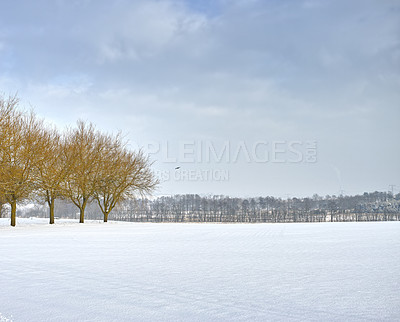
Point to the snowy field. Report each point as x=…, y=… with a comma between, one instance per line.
x=199, y=272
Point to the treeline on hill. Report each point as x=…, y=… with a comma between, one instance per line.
x=81, y=165
x=194, y=208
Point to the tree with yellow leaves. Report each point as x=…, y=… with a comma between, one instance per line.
x=82, y=150
x=124, y=174
x=52, y=171
x=21, y=137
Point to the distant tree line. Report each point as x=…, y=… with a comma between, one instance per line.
x=375, y=206
x=82, y=164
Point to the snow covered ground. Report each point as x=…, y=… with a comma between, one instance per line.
x=199, y=272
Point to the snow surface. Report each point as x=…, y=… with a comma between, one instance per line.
x=199, y=272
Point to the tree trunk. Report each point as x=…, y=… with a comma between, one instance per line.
x=1, y=210
x=13, y=212
x=82, y=215
x=106, y=216
x=51, y=205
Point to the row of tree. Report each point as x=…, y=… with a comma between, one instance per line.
x=194, y=208
x=82, y=164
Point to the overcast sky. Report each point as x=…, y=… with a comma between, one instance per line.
x=256, y=82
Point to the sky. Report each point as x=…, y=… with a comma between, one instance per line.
x=246, y=97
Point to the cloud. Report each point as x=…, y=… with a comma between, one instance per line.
x=325, y=70
x=63, y=86
x=138, y=30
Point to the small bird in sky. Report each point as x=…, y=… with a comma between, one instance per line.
x=177, y=168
